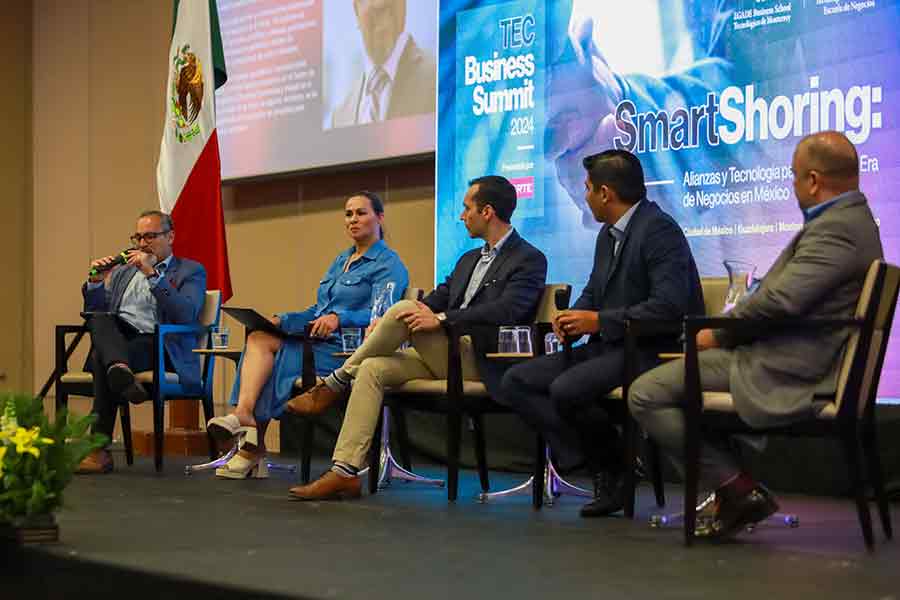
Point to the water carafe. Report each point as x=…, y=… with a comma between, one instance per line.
x=740, y=282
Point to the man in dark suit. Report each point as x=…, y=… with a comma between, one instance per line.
x=643, y=268
x=153, y=286
x=499, y=283
x=773, y=379
x=399, y=77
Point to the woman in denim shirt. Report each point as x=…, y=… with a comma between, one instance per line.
x=270, y=364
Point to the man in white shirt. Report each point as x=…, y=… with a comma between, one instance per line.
x=127, y=301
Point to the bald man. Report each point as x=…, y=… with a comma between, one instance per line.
x=774, y=378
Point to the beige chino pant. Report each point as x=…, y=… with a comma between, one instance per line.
x=377, y=365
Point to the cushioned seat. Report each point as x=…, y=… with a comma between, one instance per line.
x=85, y=377
x=439, y=386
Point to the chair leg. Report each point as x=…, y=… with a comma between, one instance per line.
x=481, y=452
x=158, y=433
x=375, y=456
x=876, y=476
x=540, y=467
x=630, y=434
x=306, y=446
x=209, y=413
x=654, y=465
x=691, y=484
x=399, y=416
x=125, y=417
x=454, y=427
x=851, y=451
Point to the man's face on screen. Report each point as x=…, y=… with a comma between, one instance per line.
x=381, y=22
x=473, y=217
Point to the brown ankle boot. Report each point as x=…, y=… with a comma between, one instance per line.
x=314, y=401
x=329, y=486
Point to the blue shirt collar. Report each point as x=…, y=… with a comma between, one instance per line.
x=618, y=229
x=372, y=253
x=167, y=262
x=486, y=250
x=814, y=211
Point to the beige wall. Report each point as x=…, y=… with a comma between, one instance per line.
x=99, y=74
x=15, y=209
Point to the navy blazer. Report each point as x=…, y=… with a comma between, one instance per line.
x=653, y=276
x=508, y=295
x=179, y=294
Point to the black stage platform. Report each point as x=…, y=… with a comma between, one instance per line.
x=136, y=534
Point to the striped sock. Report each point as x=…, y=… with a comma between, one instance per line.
x=337, y=382
x=344, y=470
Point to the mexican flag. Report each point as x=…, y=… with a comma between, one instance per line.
x=188, y=175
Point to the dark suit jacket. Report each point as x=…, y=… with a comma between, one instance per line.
x=508, y=295
x=653, y=276
x=413, y=92
x=179, y=295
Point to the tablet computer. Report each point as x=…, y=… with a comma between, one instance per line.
x=253, y=321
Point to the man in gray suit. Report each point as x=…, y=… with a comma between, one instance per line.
x=399, y=77
x=127, y=301
x=773, y=378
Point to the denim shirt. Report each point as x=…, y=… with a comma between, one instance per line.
x=349, y=295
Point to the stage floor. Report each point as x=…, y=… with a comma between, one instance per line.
x=408, y=542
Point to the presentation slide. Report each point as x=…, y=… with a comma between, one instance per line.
x=318, y=83
x=712, y=96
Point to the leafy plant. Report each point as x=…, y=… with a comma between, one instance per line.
x=37, y=457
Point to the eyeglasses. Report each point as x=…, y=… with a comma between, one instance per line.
x=148, y=237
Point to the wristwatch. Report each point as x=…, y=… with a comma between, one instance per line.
x=441, y=317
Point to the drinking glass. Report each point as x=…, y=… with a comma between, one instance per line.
x=506, y=340
x=552, y=343
x=351, y=337
x=523, y=340
x=220, y=336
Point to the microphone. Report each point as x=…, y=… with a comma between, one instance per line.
x=561, y=300
x=120, y=259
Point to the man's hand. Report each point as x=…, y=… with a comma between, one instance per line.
x=99, y=264
x=706, y=340
x=144, y=261
x=575, y=323
x=324, y=326
x=420, y=319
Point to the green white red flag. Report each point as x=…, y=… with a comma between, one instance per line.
x=189, y=174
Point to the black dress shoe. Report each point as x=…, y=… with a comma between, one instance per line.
x=734, y=512
x=122, y=382
x=609, y=495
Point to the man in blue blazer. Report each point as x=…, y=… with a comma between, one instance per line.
x=153, y=286
x=643, y=268
x=499, y=283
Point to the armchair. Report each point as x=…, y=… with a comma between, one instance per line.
x=848, y=414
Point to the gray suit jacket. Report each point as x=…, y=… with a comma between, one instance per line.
x=820, y=274
x=413, y=92
x=179, y=295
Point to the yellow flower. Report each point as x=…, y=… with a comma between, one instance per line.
x=26, y=440
x=2, y=454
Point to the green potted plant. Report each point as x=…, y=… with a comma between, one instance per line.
x=37, y=460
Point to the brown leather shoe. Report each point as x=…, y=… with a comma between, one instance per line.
x=313, y=402
x=96, y=463
x=329, y=486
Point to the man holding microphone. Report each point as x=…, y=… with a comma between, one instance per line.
x=127, y=295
